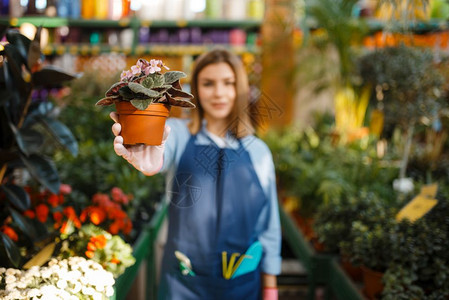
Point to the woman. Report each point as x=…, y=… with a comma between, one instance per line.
x=224, y=234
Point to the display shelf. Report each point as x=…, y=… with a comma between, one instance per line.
x=322, y=269
x=157, y=50
x=417, y=27
x=128, y=22
x=37, y=21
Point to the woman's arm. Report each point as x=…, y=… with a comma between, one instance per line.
x=269, y=281
x=269, y=287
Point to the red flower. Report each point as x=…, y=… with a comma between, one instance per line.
x=53, y=200
x=42, y=212
x=10, y=232
x=30, y=214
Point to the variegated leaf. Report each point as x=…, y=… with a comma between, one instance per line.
x=138, y=88
x=114, y=89
x=173, y=76
x=107, y=101
x=141, y=104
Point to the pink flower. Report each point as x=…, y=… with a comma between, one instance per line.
x=136, y=70
x=126, y=75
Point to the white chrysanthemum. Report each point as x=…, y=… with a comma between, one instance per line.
x=33, y=293
x=2, y=270
x=10, y=279
x=97, y=296
x=77, y=288
x=109, y=291
x=87, y=290
x=46, y=273
x=11, y=271
x=62, y=284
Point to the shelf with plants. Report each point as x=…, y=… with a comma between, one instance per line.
x=166, y=37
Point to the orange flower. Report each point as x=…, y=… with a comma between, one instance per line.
x=114, y=228
x=99, y=241
x=97, y=215
x=91, y=246
x=115, y=260
x=69, y=212
x=10, y=233
x=30, y=214
x=53, y=200
x=42, y=212
x=89, y=254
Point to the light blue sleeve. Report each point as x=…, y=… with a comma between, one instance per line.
x=175, y=143
x=268, y=224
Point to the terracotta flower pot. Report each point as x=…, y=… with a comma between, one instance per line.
x=372, y=281
x=142, y=126
x=355, y=272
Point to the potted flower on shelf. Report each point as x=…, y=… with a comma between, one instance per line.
x=145, y=91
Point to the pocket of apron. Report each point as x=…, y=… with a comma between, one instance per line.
x=246, y=286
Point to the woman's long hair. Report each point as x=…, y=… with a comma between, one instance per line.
x=239, y=122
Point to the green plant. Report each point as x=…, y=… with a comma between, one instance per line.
x=407, y=86
x=29, y=132
x=144, y=84
x=315, y=170
x=372, y=245
x=334, y=219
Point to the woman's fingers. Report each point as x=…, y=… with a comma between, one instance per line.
x=167, y=130
x=116, y=129
x=114, y=116
x=119, y=148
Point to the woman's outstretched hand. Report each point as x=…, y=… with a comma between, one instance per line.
x=146, y=159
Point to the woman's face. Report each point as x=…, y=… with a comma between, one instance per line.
x=216, y=91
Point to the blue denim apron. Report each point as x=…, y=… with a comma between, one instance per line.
x=215, y=201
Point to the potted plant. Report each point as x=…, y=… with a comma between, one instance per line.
x=29, y=132
x=145, y=91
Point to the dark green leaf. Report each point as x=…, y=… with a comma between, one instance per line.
x=32, y=139
x=140, y=89
x=173, y=76
x=17, y=196
x=141, y=104
x=21, y=42
x=61, y=134
x=6, y=80
x=51, y=76
x=126, y=92
x=11, y=250
x=19, y=140
x=34, y=51
x=23, y=224
x=43, y=171
x=15, y=64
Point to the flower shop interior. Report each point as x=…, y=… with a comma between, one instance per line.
x=360, y=156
